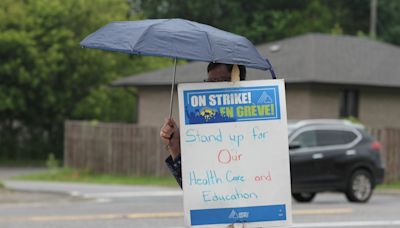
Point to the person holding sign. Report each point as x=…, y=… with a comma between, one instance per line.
x=233, y=140
x=169, y=133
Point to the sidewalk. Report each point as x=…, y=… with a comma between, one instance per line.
x=91, y=191
x=387, y=191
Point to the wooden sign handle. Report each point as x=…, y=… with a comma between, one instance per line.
x=235, y=74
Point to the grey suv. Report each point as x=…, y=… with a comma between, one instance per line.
x=333, y=155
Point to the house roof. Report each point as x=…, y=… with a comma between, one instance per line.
x=310, y=58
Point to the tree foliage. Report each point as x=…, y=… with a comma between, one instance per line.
x=260, y=21
x=46, y=77
x=388, y=28
x=268, y=20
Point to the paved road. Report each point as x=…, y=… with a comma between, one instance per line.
x=121, y=206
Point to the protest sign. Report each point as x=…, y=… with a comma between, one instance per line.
x=235, y=156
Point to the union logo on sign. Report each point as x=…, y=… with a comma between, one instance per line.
x=233, y=215
x=240, y=215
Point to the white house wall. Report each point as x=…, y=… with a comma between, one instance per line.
x=380, y=107
x=154, y=105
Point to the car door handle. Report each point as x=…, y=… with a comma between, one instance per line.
x=351, y=152
x=317, y=156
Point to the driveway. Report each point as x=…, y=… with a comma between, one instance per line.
x=8, y=172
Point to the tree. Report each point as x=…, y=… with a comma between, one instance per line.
x=260, y=21
x=268, y=20
x=389, y=21
x=46, y=78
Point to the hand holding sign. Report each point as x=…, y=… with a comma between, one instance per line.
x=170, y=136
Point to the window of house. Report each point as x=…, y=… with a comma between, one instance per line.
x=349, y=103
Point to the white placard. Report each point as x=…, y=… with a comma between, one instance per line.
x=235, y=155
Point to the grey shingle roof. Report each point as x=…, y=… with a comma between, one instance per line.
x=310, y=58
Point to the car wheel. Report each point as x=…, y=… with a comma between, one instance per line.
x=304, y=197
x=360, y=187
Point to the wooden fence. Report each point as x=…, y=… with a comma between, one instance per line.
x=390, y=140
x=130, y=149
x=126, y=149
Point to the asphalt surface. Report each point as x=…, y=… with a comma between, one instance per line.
x=87, y=205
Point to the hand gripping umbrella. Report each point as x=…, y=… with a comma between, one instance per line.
x=177, y=38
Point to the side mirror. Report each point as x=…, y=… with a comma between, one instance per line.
x=294, y=145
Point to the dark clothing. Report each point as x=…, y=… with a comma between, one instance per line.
x=174, y=165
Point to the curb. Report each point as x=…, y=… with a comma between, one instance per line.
x=41, y=191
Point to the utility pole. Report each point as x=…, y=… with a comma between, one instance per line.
x=373, y=18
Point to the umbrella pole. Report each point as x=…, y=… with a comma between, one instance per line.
x=172, y=90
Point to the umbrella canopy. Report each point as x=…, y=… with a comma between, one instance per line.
x=177, y=38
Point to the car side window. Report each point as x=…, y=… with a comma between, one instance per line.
x=334, y=137
x=306, y=139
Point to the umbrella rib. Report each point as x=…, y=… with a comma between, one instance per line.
x=144, y=32
x=209, y=45
x=208, y=38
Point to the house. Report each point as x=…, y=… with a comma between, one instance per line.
x=327, y=76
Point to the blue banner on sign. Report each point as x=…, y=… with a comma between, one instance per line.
x=232, y=105
x=238, y=215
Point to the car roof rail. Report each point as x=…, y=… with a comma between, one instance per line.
x=300, y=123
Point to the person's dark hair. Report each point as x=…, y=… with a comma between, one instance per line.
x=242, y=69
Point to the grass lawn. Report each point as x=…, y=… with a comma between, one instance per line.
x=1, y=185
x=394, y=185
x=72, y=175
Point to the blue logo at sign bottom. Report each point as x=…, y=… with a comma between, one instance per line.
x=238, y=215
